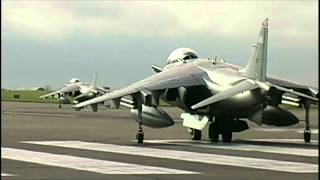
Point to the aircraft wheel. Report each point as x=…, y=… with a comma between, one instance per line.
x=140, y=136
x=59, y=106
x=307, y=136
x=196, y=134
x=227, y=137
x=213, y=132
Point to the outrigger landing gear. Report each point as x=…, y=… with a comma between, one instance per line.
x=59, y=97
x=140, y=135
x=307, y=131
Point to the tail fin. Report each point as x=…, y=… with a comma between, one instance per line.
x=257, y=65
x=94, y=81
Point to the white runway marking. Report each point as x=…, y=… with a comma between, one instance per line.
x=242, y=147
x=296, y=141
x=39, y=114
x=85, y=164
x=6, y=174
x=313, y=131
x=256, y=163
x=298, y=130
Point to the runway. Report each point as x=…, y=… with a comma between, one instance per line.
x=40, y=141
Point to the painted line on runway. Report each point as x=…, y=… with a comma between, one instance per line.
x=313, y=131
x=215, y=159
x=241, y=147
x=6, y=174
x=85, y=164
x=296, y=141
x=39, y=114
x=299, y=130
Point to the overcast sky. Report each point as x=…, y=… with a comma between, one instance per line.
x=49, y=42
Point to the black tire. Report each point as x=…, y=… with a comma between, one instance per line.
x=307, y=136
x=213, y=132
x=196, y=134
x=59, y=106
x=227, y=137
x=139, y=137
x=210, y=130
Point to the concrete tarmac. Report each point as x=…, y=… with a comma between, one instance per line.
x=40, y=141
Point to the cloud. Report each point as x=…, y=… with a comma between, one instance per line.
x=39, y=20
x=292, y=21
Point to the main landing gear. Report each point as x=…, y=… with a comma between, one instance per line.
x=195, y=134
x=216, y=128
x=307, y=131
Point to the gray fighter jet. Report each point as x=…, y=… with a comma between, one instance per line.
x=80, y=91
x=214, y=92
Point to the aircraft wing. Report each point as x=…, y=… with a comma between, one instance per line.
x=69, y=88
x=170, y=78
x=236, y=89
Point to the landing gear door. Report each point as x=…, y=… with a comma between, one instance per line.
x=194, y=121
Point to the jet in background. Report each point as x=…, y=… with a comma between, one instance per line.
x=80, y=91
x=214, y=92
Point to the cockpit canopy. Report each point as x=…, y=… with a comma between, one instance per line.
x=182, y=54
x=74, y=80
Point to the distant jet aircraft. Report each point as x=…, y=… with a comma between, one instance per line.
x=214, y=91
x=80, y=91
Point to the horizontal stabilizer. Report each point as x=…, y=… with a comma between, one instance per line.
x=236, y=89
x=291, y=91
x=315, y=92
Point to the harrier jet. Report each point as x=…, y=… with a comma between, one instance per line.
x=216, y=93
x=80, y=91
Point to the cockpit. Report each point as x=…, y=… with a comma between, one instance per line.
x=74, y=80
x=182, y=54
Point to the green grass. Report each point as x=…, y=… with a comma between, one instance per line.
x=26, y=96
x=164, y=104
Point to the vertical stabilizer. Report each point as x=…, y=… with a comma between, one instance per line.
x=257, y=65
x=94, y=81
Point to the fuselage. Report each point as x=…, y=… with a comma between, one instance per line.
x=219, y=76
